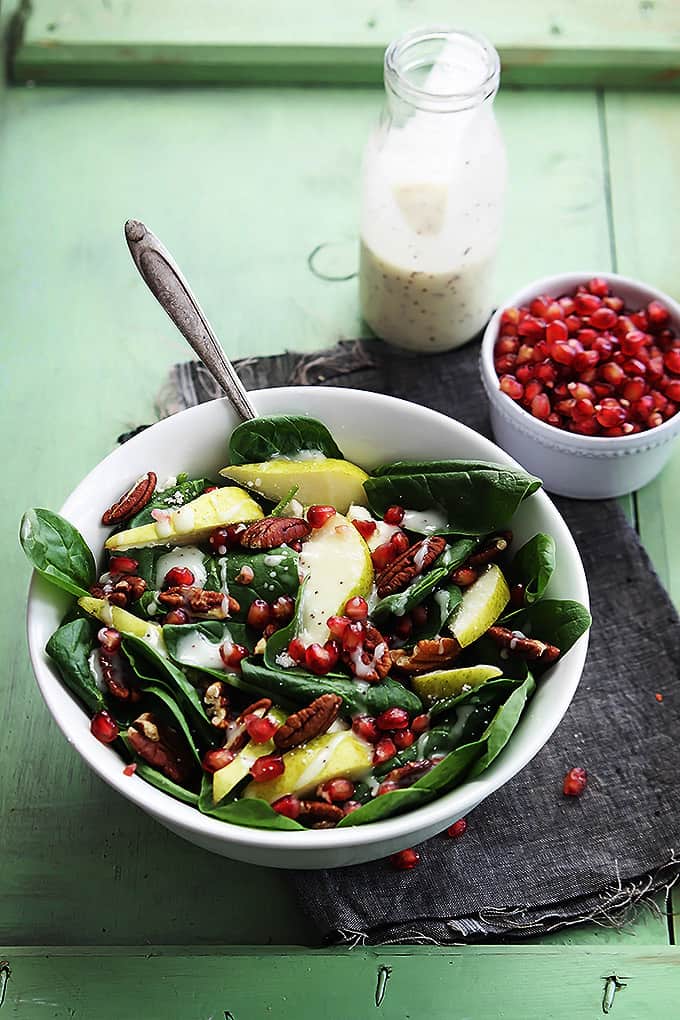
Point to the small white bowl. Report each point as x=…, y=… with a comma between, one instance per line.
x=584, y=467
x=370, y=429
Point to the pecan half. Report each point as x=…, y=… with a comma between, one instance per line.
x=309, y=722
x=119, y=589
x=131, y=502
x=119, y=676
x=398, y=575
x=406, y=775
x=371, y=661
x=271, y=532
x=496, y=545
x=162, y=747
x=519, y=644
x=319, y=814
x=426, y=655
x=216, y=701
x=213, y=604
x=237, y=733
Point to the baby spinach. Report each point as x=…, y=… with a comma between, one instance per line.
x=495, y=690
x=448, y=771
x=533, y=566
x=501, y=727
x=164, y=784
x=172, y=709
x=404, y=601
x=275, y=574
x=216, y=632
x=440, y=609
x=70, y=647
x=476, y=499
x=560, y=622
x=248, y=811
x=280, y=435
x=385, y=805
x=57, y=551
x=173, y=497
x=434, y=467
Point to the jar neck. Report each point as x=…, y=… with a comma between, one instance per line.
x=440, y=70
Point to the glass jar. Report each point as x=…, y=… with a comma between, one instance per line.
x=432, y=194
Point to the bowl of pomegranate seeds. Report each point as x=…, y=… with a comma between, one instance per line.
x=582, y=373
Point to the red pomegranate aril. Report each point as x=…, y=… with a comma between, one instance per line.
x=217, y=759
x=296, y=649
x=510, y=385
x=221, y=540
x=353, y=635
x=615, y=303
x=574, y=323
x=671, y=389
x=659, y=400
x=317, y=515
x=405, y=860
x=540, y=406
x=562, y=353
x=643, y=407
x=259, y=614
x=365, y=528
x=655, y=368
x=392, y=719
x=567, y=305
x=336, y=791
x=612, y=373
x=366, y=727
x=506, y=345
x=657, y=313
x=179, y=577
x=583, y=409
x=232, y=655
x=385, y=749
x=604, y=346
x=394, y=515
x=387, y=786
x=524, y=355
x=269, y=766
x=333, y=648
x=356, y=608
x=575, y=782
x=565, y=406
x=525, y=373
x=539, y=305
x=337, y=625
x=634, y=388
x=640, y=320
x=532, y=390
x=603, y=318
x=546, y=373
x=109, y=639
x=123, y=565
x=420, y=723
x=603, y=389
x=383, y=555
x=403, y=739
x=580, y=391
x=633, y=342
x=176, y=617
x=289, y=806
x=458, y=829
x=553, y=311
x=260, y=730
x=104, y=727
x=671, y=360
x=587, y=304
x=531, y=327
x=506, y=363
x=283, y=609
x=587, y=336
x=554, y=419
x=399, y=542
x=670, y=409
x=633, y=366
x=598, y=286
x=557, y=330
x=318, y=659
x=585, y=427
x=655, y=419
x=609, y=413
x=585, y=360
x=510, y=316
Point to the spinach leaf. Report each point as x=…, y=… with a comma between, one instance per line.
x=214, y=631
x=386, y=805
x=491, y=690
x=434, y=467
x=446, y=774
x=501, y=727
x=172, y=708
x=476, y=500
x=440, y=608
x=174, y=497
x=57, y=551
x=301, y=688
x=404, y=601
x=70, y=646
x=162, y=782
x=248, y=811
x=560, y=622
x=280, y=435
x=275, y=574
x=533, y=566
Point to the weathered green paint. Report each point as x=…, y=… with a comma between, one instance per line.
x=228, y=41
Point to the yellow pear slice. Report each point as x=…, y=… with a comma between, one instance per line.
x=121, y=620
x=320, y=759
x=224, y=780
x=192, y=522
x=482, y=604
x=336, y=564
x=328, y=482
x=445, y=683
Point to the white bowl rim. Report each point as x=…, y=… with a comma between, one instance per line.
x=554, y=437
x=174, y=813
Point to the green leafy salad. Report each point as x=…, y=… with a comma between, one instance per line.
x=303, y=644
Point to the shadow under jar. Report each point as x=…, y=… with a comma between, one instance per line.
x=434, y=179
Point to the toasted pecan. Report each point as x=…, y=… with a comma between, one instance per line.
x=419, y=557
x=237, y=731
x=213, y=604
x=131, y=502
x=319, y=814
x=491, y=550
x=271, y=532
x=216, y=702
x=520, y=644
x=371, y=661
x=309, y=722
x=426, y=655
x=162, y=747
x=407, y=774
x=119, y=676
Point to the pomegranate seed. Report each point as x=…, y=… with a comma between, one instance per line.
x=130, y=770
x=531, y=327
x=506, y=363
x=587, y=304
x=587, y=336
x=353, y=636
x=317, y=516
x=387, y=786
x=232, y=655
x=540, y=305
x=365, y=528
x=654, y=420
x=399, y=542
x=609, y=413
x=510, y=316
x=505, y=345
x=269, y=766
x=394, y=515
x=383, y=555
x=659, y=400
x=104, y=727
x=420, y=724
x=672, y=390
x=384, y=750
x=283, y=609
x=659, y=697
x=209, y=488
x=633, y=366
x=574, y=323
x=546, y=372
x=259, y=614
x=603, y=389
x=598, y=286
x=585, y=360
x=337, y=625
x=464, y=576
x=672, y=361
x=556, y=330
x=612, y=373
x=336, y=790
x=579, y=391
x=222, y=540
x=217, y=759
x=123, y=565
x=179, y=577
x=633, y=342
x=615, y=303
x=604, y=346
x=586, y=427
x=603, y=318
x=176, y=617
x=575, y=782
x=365, y=727
x=510, y=385
x=403, y=739
x=109, y=639
x=288, y=806
x=553, y=311
x=392, y=719
x=260, y=730
x=532, y=390
x=565, y=406
x=356, y=608
x=567, y=305
x=318, y=659
x=562, y=353
x=405, y=860
x=643, y=407
x=333, y=648
x=583, y=409
x=640, y=320
x=634, y=388
x=657, y=313
x=296, y=650
x=457, y=829
x=524, y=373
x=540, y=406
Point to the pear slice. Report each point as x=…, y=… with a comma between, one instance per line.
x=446, y=683
x=328, y=482
x=320, y=759
x=481, y=605
x=336, y=564
x=192, y=522
x=121, y=620
x=224, y=780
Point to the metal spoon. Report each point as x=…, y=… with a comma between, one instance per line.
x=166, y=282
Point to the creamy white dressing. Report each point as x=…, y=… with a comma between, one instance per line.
x=383, y=532
x=318, y=763
x=222, y=570
x=363, y=669
x=96, y=670
x=183, y=520
x=419, y=558
x=424, y=521
x=303, y=455
x=169, y=483
x=163, y=523
x=195, y=649
x=273, y=560
x=107, y=614
x=188, y=556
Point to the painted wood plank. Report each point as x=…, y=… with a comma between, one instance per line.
x=242, y=185
x=579, y=43
x=493, y=983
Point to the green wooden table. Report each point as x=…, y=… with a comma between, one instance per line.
x=243, y=183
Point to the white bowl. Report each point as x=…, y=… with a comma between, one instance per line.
x=584, y=467
x=370, y=429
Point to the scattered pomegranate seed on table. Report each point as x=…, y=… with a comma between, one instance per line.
x=575, y=782
x=586, y=364
x=405, y=860
x=457, y=829
x=659, y=697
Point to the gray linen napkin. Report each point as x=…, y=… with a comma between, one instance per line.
x=531, y=860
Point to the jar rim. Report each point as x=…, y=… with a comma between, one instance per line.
x=398, y=82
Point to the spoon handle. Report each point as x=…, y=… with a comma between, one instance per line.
x=166, y=282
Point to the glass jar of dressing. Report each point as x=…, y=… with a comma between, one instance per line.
x=433, y=184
